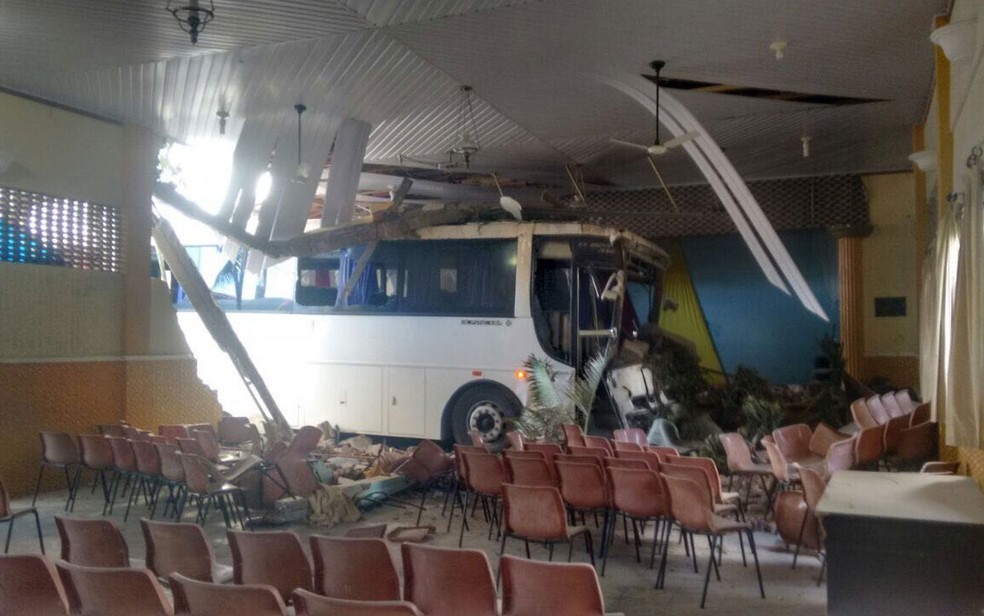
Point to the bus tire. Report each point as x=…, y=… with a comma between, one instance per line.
x=484, y=408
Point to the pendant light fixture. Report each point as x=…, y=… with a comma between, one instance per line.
x=467, y=144
x=303, y=172
x=192, y=17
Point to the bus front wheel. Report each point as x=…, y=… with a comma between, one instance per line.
x=486, y=409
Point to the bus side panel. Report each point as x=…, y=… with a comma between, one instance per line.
x=347, y=396
x=406, y=401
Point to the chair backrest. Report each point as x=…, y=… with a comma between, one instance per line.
x=448, y=581
x=920, y=414
x=354, y=568
x=97, y=591
x=271, y=557
x=736, y=451
x=173, y=547
x=918, y=442
x=530, y=471
x=626, y=463
x=598, y=452
x=123, y=457
x=191, y=446
x=129, y=432
x=432, y=457
x=486, y=473
x=891, y=404
x=904, y=401
x=530, y=587
x=547, y=449
x=868, y=445
x=840, y=456
x=573, y=435
x=196, y=472
x=193, y=597
x=630, y=435
x=156, y=438
x=95, y=451
x=172, y=432
x=147, y=458
x=111, y=430
x=30, y=586
x=651, y=458
x=235, y=430
x=710, y=470
x=536, y=512
x=794, y=441
x=813, y=486
x=893, y=432
x=92, y=542
x=309, y=604
x=638, y=492
x=208, y=442
x=171, y=467
x=516, y=440
x=299, y=476
x=459, y=461
x=690, y=503
x=664, y=452
x=59, y=448
x=780, y=466
x=878, y=411
x=583, y=486
x=626, y=446
x=823, y=437
x=862, y=414
x=599, y=442
x=305, y=440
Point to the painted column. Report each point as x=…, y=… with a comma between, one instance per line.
x=850, y=264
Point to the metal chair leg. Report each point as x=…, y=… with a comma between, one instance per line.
x=707, y=574
x=37, y=523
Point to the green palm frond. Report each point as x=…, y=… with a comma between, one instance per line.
x=584, y=388
x=542, y=386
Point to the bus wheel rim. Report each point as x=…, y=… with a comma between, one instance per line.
x=488, y=419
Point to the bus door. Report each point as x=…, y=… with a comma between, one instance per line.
x=598, y=297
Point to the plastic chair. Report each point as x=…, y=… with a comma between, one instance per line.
x=691, y=507
x=272, y=557
x=840, y=456
x=58, y=450
x=429, y=466
x=920, y=414
x=530, y=471
x=30, y=586
x=354, y=568
x=650, y=458
x=98, y=591
x=713, y=479
x=461, y=486
x=904, y=401
x=309, y=604
x=891, y=404
x=638, y=495
x=534, y=513
x=96, y=455
x=813, y=487
x=206, y=494
x=794, y=443
x=486, y=474
x=573, y=435
x=9, y=516
x=878, y=411
x=823, y=437
x=516, y=440
x=781, y=469
x=635, y=464
x=624, y=446
x=868, y=447
x=584, y=488
x=448, y=581
x=599, y=452
x=236, y=432
x=599, y=442
x=172, y=476
x=916, y=445
x=862, y=414
x=148, y=461
x=190, y=445
x=630, y=435
x=124, y=466
x=92, y=543
x=740, y=463
x=532, y=588
x=172, y=547
x=547, y=449
x=172, y=432
x=193, y=597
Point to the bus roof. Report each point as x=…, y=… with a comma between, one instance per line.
x=508, y=229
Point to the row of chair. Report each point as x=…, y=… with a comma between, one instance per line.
x=438, y=582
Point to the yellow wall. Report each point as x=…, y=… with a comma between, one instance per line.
x=891, y=344
x=80, y=348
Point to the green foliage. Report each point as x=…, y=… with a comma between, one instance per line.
x=677, y=371
x=830, y=403
x=761, y=418
x=713, y=448
x=549, y=405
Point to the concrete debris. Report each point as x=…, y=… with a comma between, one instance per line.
x=329, y=505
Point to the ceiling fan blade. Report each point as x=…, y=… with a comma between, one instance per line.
x=512, y=206
x=682, y=139
x=666, y=188
x=629, y=144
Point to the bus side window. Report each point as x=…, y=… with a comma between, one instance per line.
x=317, y=282
x=552, y=307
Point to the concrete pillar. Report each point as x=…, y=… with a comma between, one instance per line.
x=850, y=262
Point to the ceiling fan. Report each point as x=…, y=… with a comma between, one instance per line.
x=658, y=148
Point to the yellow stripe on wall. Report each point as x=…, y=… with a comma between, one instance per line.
x=688, y=319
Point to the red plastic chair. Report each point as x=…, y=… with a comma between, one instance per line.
x=573, y=435
x=448, y=581
x=236, y=432
x=840, y=456
x=920, y=414
x=92, y=542
x=194, y=597
x=905, y=401
x=532, y=471
x=713, y=479
x=623, y=446
x=30, y=586
x=486, y=474
x=532, y=588
x=740, y=463
x=58, y=450
x=461, y=486
x=97, y=456
x=516, y=440
x=599, y=442
x=124, y=466
x=181, y=548
x=99, y=591
x=813, y=487
x=272, y=557
x=794, y=443
x=878, y=410
x=9, y=516
x=691, y=505
x=547, y=449
x=651, y=458
x=584, y=488
x=869, y=447
x=354, y=568
x=148, y=461
x=172, y=476
x=172, y=432
x=223, y=496
x=862, y=414
x=309, y=604
x=638, y=494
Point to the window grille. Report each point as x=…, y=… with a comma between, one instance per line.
x=38, y=228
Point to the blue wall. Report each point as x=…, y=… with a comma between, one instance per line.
x=752, y=322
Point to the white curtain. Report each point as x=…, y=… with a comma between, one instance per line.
x=952, y=319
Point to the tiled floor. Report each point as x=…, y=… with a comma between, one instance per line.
x=627, y=586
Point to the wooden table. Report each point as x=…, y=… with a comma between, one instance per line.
x=903, y=543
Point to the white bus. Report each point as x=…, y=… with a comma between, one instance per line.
x=426, y=338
